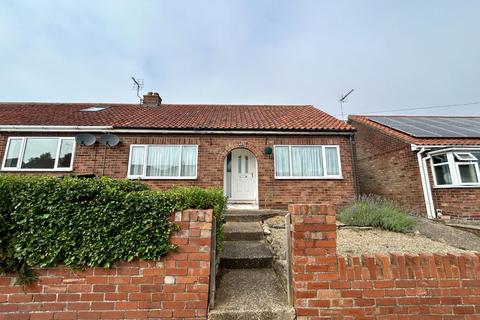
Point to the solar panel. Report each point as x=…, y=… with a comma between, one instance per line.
x=432, y=127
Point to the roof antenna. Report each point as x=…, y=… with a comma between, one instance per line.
x=342, y=101
x=137, y=86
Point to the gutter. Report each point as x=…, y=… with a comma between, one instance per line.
x=110, y=129
x=473, y=147
x=21, y=128
x=427, y=190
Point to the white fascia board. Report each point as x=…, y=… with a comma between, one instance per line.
x=451, y=149
x=17, y=128
x=415, y=147
x=442, y=148
x=259, y=132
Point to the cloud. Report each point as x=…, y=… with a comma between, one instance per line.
x=393, y=53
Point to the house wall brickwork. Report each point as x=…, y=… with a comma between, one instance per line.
x=212, y=150
x=174, y=287
x=394, y=286
x=387, y=167
x=458, y=202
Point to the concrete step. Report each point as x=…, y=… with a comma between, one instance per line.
x=243, y=231
x=251, y=215
x=246, y=254
x=250, y=294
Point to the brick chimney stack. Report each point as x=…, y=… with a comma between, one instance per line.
x=152, y=99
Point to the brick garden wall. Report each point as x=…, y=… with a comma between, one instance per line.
x=212, y=150
x=395, y=286
x=175, y=287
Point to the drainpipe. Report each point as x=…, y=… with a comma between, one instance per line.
x=353, y=154
x=427, y=191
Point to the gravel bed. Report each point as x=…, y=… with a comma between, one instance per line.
x=357, y=242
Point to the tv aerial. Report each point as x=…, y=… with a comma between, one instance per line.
x=109, y=140
x=342, y=101
x=85, y=139
x=137, y=86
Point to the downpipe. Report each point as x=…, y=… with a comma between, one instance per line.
x=427, y=191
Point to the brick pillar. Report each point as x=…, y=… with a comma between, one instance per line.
x=314, y=260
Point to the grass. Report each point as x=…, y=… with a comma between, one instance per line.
x=374, y=211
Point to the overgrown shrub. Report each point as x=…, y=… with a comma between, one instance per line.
x=374, y=211
x=198, y=198
x=45, y=221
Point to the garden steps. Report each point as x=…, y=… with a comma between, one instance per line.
x=246, y=254
x=243, y=231
x=246, y=294
x=247, y=285
x=235, y=215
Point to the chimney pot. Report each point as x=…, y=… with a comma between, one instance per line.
x=152, y=99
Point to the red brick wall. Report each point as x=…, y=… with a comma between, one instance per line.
x=395, y=286
x=458, y=202
x=175, y=287
x=212, y=151
x=387, y=167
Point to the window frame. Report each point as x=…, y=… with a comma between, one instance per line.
x=325, y=175
x=470, y=156
x=55, y=168
x=144, y=176
x=475, y=165
x=453, y=163
x=441, y=164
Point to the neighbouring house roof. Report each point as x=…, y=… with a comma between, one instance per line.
x=172, y=116
x=425, y=130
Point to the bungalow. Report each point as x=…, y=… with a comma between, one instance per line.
x=429, y=165
x=262, y=156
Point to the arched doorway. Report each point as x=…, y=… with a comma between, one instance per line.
x=241, y=179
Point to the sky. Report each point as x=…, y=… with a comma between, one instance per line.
x=396, y=54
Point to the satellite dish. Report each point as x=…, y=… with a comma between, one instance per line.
x=85, y=139
x=110, y=140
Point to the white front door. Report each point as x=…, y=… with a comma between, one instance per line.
x=244, y=175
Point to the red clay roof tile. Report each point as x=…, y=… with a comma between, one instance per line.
x=173, y=116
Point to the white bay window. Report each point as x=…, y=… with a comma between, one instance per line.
x=39, y=154
x=452, y=169
x=163, y=161
x=307, y=162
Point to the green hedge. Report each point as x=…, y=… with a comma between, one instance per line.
x=80, y=222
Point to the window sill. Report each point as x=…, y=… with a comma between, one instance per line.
x=309, y=178
x=160, y=178
x=458, y=186
x=37, y=170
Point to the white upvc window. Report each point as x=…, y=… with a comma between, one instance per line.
x=451, y=169
x=39, y=154
x=307, y=162
x=464, y=156
x=162, y=161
